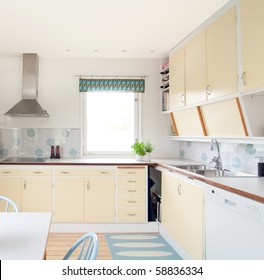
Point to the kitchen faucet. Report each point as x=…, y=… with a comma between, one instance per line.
x=216, y=161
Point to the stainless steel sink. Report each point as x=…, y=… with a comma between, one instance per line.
x=208, y=171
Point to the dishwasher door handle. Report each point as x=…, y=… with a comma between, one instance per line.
x=230, y=203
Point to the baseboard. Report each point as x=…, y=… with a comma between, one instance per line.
x=103, y=228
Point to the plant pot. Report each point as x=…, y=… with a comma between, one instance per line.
x=139, y=157
x=147, y=157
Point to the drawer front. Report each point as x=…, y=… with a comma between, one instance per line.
x=131, y=171
x=131, y=201
x=37, y=172
x=100, y=172
x=131, y=214
x=131, y=190
x=10, y=172
x=69, y=172
x=132, y=181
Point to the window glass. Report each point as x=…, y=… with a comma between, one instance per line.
x=111, y=122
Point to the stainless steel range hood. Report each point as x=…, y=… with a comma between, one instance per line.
x=29, y=106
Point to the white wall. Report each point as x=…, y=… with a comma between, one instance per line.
x=58, y=94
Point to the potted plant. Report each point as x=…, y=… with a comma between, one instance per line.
x=139, y=149
x=148, y=148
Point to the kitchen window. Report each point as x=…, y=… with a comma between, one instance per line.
x=111, y=122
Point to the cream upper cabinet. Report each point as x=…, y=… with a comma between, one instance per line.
x=37, y=190
x=99, y=199
x=224, y=118
x=10, y=185
x=183, y=213
x=189, y=122
x=221, y=48
x=177, y=79
x=252, y=43
x=195, y=69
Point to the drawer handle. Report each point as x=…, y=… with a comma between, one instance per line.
x=6, y=172
x=104, y=172
x=131, y=201
x=65, y=172
x=133, y=191
x=37, y=172
x=132, y=181
x=131, y=214
x=132, y=172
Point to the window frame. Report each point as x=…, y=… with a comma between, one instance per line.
x=137, y=129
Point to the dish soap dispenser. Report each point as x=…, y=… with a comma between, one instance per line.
x=261, y=167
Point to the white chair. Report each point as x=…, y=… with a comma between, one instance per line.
x=7, y=204
x=87, y=246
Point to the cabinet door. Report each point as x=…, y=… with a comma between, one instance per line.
x=252, y=43
x=191, y=218
x=37, y=194
x=195, y=69
x=100, y=200
x=177, y=79
x=69, y=199
x=222, y=56
x=170, y=204
x=11, y=187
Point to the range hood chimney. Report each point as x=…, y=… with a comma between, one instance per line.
x=29, y=106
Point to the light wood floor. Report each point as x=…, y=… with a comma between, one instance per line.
x=59, y=243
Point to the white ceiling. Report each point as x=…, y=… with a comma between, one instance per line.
x=99, y=28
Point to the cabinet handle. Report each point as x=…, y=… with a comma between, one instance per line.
x=182, y=98
x=131, y=214
x=131, y=201
x=25, y=185
x=6, y=172
x=208, y=90
x=37, y=172
x=133, y=191
x=132, y=181
x=65, y=172
x=179, y=190
x=104, y=172
x=132, y=172
x=243, y=78
x=88, y=185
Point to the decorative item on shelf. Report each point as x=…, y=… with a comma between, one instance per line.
x=142, y=150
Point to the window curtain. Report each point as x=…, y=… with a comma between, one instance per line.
x=128, y=85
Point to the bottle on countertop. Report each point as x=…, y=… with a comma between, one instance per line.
x=52, y=152
x=261, y=166
x=57, y=151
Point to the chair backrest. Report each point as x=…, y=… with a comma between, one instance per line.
x=7, y=204
x=86, y=247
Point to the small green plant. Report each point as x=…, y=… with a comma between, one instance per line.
x=139, y=148
x=148, y=147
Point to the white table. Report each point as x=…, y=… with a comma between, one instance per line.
x=23, y=236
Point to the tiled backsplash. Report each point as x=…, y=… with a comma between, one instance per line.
x=36, y=142
x=235, y=156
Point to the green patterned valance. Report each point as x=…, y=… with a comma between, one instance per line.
x=132, y=85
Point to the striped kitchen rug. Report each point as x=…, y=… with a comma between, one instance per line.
x=137, y=246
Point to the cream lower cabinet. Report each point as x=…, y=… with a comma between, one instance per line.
x=10, y=185
x=131, y=195
x=84, y=195
x=183, y=213
x=37, y=190
x=99, y=200
x=68, y=196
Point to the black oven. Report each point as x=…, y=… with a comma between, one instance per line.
x=155, y=193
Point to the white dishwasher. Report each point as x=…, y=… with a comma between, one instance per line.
x=234, y=226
